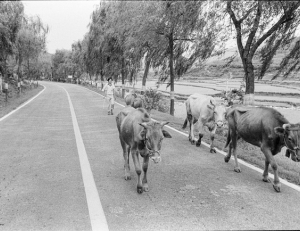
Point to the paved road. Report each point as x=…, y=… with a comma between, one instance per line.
x=42, y=184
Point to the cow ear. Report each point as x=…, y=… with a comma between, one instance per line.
x=279, y=131
x=166, y=134
x=142, y=134
x=143, y=124
x=210, y=107
x=286, y=126
x=163, y=123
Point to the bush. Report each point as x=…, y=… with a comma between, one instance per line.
x=234, y=96
x=154, y=100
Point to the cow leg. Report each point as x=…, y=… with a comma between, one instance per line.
x=266, y=172
x=191, y=133
x=212, y=138
x=145, y=168
x=136, y=161
x=271, y=160
x=126, y=151
x=201, y=131
x=234, y=145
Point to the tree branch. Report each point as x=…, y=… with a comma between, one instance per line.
x=253, y=29
x=184, y=39
x=246, y=15
x=283, y=19
x=237, y=25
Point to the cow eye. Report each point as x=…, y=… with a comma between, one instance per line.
x=290, y=139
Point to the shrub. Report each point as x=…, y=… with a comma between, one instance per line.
x=234, y=96
x=154, y=100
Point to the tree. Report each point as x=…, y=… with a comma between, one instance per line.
x=269, y=24
x=30, y=44
x=62, y=64
x=187, y=28
x=11, y=14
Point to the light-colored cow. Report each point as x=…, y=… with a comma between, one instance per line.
x=203, y=111
x=140, y=136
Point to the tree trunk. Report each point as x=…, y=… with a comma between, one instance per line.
x=123, y=77
x=249, y=78
x=102, y=78
x=171, y=46
x=147, y=66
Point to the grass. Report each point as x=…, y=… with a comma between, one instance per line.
x=288, y=169
x=15, y=100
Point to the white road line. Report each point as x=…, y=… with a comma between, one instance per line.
x=22, y=105
x=97, y=216
x=296, y=187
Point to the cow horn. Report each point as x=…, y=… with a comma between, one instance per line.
x=286, y=126
x=143, y=124
x=163, y=123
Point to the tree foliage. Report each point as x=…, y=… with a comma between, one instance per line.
x=262, y=27
x=22, y=41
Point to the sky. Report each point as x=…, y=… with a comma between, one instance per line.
x=67, y=20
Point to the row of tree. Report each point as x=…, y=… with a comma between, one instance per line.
x=128, y=36
x=22, y=43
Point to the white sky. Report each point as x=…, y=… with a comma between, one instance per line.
x=67, y=20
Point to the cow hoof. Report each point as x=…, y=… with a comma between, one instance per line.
x=192, y=141
x=226, y=159
x=276, y=187
x=213, y=150
x=237, y=169
x=139, y=190
x=127, y=177
x=266, y=180
x=198, y=144
x=145, y=188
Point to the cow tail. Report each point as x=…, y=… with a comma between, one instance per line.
x=228, y=138
x=187, y=105
x=185, y=123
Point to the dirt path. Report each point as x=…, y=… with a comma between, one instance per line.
x=191, y=189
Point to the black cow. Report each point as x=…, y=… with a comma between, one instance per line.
x=265, y=128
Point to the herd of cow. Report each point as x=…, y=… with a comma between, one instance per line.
x=260, y=126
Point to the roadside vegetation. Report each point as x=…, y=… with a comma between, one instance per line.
x=23, y=56
x=15, y=99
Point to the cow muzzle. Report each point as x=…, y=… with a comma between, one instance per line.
x=220, y=124
x=156, y=159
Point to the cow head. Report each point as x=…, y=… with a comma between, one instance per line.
x=219, y=113
x=153, y=135
x=291, y=138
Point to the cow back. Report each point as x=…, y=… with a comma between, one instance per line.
x=130, y=128
x=197, y=105
x=256, y=125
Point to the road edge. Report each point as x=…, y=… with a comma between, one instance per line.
x=23, y=104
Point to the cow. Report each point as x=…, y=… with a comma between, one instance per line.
x=265, y=128
x=134, y=100
x=139, y=135
x=203, y=110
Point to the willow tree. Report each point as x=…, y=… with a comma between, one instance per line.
x=11, y=14
x=30, y=45
x=268, y=25
x=192, y=31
